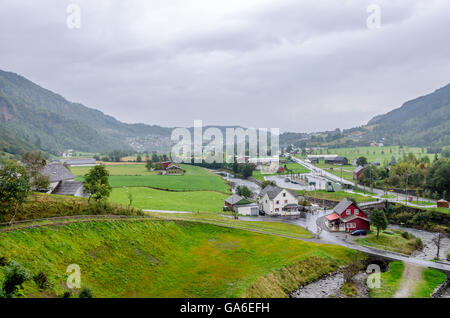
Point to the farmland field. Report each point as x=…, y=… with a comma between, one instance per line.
x=380, y=154
x=293, y=167
x=147, y=198
x=156, y=258
x=195, y=179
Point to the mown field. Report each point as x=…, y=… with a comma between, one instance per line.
x=391, y=242
x=148, y=198
x=197, y=190
x=379, y=154
x=167, y=259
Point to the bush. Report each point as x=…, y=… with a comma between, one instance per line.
x=406, y=235
x=85, y=293
x=419, y=243
x=3, y=261
x=15, y=276
x=41, y=280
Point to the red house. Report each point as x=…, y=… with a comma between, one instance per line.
x=349, y=215
x=358, y=172
x=166, y=164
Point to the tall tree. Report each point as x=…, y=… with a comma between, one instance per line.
x=34, y=163
x=96, y=183
x=379, y=220
x=14, y=186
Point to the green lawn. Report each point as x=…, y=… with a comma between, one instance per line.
x=432, y=278
x=390, y=242
x=148, y=198
x=390, y=281
x=168, y=259
x=443, y=210
x=195, y=179
x=422, y=202
x=270, y=227
x=335, y=196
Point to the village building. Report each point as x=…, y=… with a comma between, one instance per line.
x=241, y=205
x=358, y=172
x=273, y=200
x=62, y=181
x=348, y=217
x=442, y=204
x=337, y=161
x=79, y=162
x=174, y=169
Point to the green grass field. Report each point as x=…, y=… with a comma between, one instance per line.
x=390, y=242
x=195, y=179
x=147, y=198
x=432, y=278
x=335, y=196
x=380, y=154
x=168, y=259
x=390, y=281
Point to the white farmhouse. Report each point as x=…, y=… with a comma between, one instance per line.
x=277, y=201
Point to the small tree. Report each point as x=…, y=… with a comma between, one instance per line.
x=96, y=183
x=437, y=241
x=14, y=186
x=244, y=191
x=361, y=161
x=15, y=276
x=149, y=165
x=130, y=197
x=139, y=158
x=379, y=220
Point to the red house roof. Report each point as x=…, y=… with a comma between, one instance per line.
x=332, y=216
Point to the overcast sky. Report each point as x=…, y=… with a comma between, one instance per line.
x=304, y=65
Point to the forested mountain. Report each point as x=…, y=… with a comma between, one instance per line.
x=423, y=121
x=49, y=122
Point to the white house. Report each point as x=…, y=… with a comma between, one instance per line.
x=277, y=201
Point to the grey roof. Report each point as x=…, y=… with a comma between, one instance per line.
x=273, y=191
x=68, y=188
x=336, y=159
x=344, y=204
x=85, y=161
x=233, y=199
x=56, y=171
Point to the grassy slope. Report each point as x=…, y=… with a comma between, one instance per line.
x=269, y=227
x=147, y=198
x=390, y=281
x=432, y=278
x=165, y=259
x=395, y=242
x=293, y=167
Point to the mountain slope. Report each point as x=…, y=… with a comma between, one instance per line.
x=51, y=123
x=423, y=121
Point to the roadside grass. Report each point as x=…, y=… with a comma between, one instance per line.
x=432, y=278
x=443, y=210
x=390, y=281
x=167, y=259
x=391, y=242
x=152, y=199
x=195, y=179
x=335, y=196
x=422, y=202
x=269, y=227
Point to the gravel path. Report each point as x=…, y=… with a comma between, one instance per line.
x=412, y=275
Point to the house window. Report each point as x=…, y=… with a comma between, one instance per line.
x=277, y=210
x=348, y=211
x=285, y=201
x=277, y=202
x=284, y=194
x=356, y=211
x=351, y=225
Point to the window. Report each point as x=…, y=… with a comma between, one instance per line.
x=356, y=211
x=284, y=194
x=285, y=201
x=348, y=212
x=351, y=225
x=277, y=202
x=277, y=210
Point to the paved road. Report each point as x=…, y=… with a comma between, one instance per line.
x=399, y=197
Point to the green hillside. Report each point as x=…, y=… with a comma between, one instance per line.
x=167, y=259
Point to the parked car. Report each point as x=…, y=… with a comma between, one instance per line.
x=358, y=232
x=261, y=212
